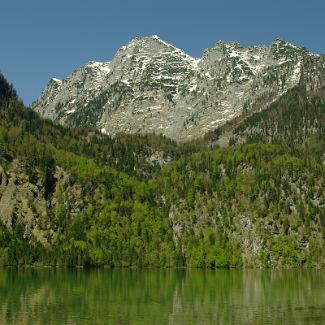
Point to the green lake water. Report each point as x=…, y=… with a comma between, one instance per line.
x=150, y=296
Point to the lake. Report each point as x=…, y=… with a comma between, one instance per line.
x=167, y=296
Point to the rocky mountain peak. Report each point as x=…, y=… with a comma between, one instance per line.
x=56, y=81
x=227, y=44
x=148, y=44
x=281, y=48
x=279, y=41
x=151, y=86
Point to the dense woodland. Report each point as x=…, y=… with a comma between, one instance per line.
x=75, y=197
x=291, y=120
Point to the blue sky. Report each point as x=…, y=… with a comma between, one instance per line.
x=41, y=39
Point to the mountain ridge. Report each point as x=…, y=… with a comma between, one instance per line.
x=151, y=86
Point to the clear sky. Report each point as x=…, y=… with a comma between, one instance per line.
x=41, y=39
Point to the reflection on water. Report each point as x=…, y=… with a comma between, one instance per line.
x=121, y=296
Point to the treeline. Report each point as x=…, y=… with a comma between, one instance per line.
x=137, y=155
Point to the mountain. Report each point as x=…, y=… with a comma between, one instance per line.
x=150, y=86
x=77, y=197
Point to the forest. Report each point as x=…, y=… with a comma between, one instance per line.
x=76, y=197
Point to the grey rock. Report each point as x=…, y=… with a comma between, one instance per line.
x=7, y=203
x=152, y=87
x=3, y=177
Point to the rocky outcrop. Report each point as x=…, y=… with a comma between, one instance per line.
x=21, y=202
x=24, y=203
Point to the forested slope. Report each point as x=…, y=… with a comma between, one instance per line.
x=294, y=118
x=76, y=197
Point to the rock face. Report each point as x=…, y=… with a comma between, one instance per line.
x=153, y=87
x=23, y=202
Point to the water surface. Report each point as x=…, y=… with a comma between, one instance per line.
x=122, y=296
